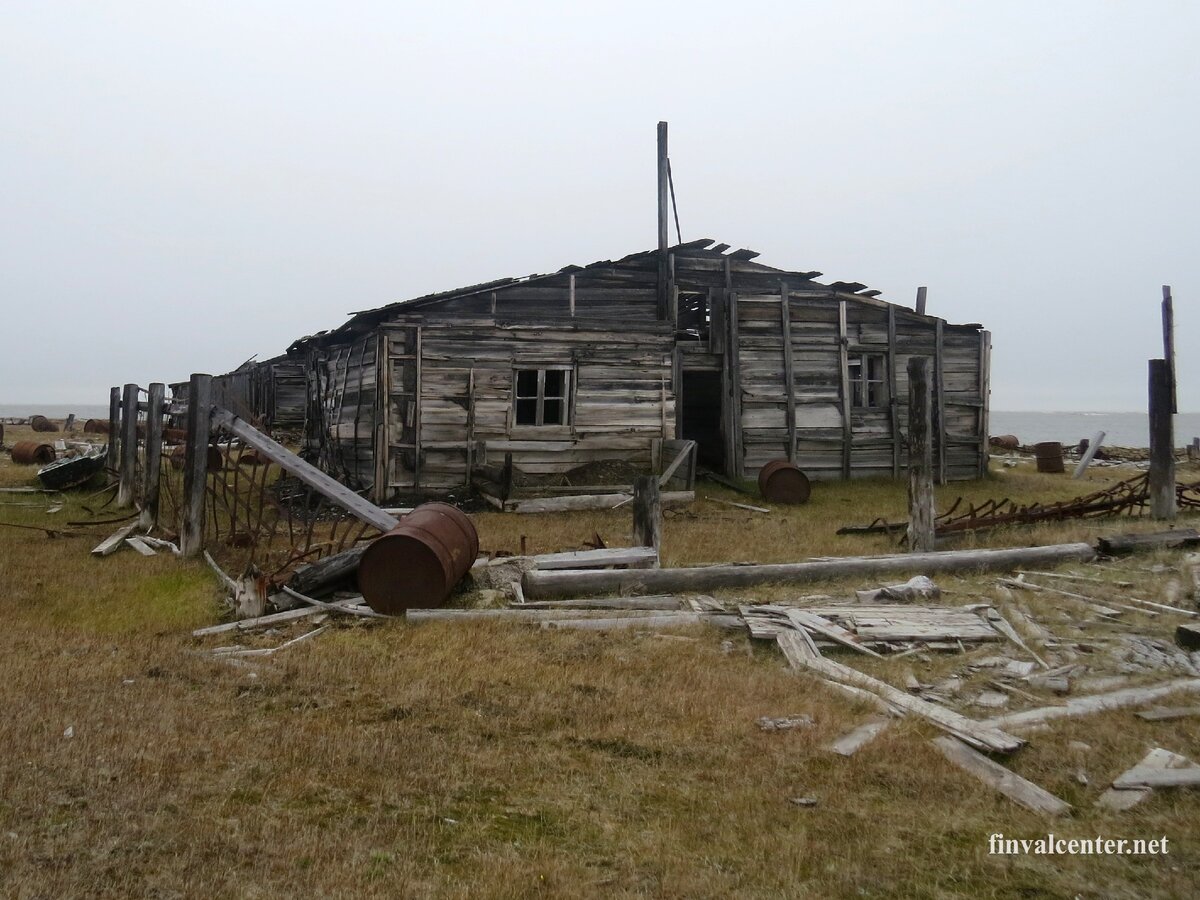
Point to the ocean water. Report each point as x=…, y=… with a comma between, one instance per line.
x=1122, y=429
x=54, y=410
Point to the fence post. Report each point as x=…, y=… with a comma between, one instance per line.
x=195, y=465
x=129, y=417
x=114, y=428
x=920, y=458
x=647, y=513
x=153, y=465
x=1162, y=442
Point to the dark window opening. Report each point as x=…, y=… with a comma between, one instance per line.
x=541, y=397
x=868, y=380
x=694, y=317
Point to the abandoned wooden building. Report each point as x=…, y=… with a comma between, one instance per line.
x=601, y=363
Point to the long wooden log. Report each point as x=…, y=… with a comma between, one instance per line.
x=1084, y=706
x=703, y=579
x=661, y=602
x=327, y=571
x=525, y=615
x=1116, y=544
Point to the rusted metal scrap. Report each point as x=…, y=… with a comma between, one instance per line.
x=1128, y=497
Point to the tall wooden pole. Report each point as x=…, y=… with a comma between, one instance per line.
x=153, y=465
x=920, y=457
x=114, y=428
x=1162, y=442
x=647, y=512
x=1168, y=325
x=195, y=465
x=129, y=417
x=663, y=227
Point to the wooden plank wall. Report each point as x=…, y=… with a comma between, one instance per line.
x=824, y=329
x=341, y=427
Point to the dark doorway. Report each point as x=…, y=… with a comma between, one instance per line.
x=702, y=417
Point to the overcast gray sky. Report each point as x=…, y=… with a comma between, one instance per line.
x=187, y=184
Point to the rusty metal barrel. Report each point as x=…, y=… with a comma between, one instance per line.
x=1005, y=441
x=417, y=564
x=1049, y=456
x=27, y=453
x=782, y=482
x=41, y=423
x=96, y=426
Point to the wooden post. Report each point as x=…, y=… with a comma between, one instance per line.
x=647, y=513
x=195, y=465
x=153, y=465
x=114, y=428
x=939, y=410
x=1168, y=325
x=506, y=479
x=921, y=301
x=663, y=228
x=1086, y=459
x=893, y=397
x=920, y=458
x=789, y=370
x=985, y=399
x=571, y=294
x=129, y=416
x=847, y=394
x=1162, y=442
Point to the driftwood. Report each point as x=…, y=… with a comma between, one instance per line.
x=278, y=618
x=355, y=610
x=113, y=542
x=708, y=578
x=1126, y=798
x=1085, y=706
x=658, y=602
x=1008, y=783
x=851, y=742
x=662, y=620
x=1116, y=544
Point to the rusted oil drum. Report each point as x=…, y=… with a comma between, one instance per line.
x=96, y=426
x=1049, y=455
x=178, y=456
x=417, y=564
x=782, y=482
x=1005, y=441
x=27, y=453
x=41, y=423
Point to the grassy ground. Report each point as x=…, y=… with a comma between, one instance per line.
x=500, y=761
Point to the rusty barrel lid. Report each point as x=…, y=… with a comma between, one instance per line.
x=29, y=452
x=1049, y=455
x=782, y=482
x=418, y=563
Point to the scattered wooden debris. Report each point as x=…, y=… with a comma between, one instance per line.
x=784, y=723
x=980, y=734
x=1168, y=713
x=279, y=618
x=1121, y=799
x=1084, y=706
x=919, y=587
x=239, y=652
x=747, y=506
x=114, y=541
x=1152, y=777
x=877, y=625
x=1117, y=544
x=1007, y=782
x=669, y=500
x=657, y=602
x=355, y=609
x=138, y=544
x=850, y=743
x=1188, y=636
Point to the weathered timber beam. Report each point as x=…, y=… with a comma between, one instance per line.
x=707, y=578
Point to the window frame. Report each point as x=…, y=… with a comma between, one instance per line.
x=565, y=398
x=861, y=382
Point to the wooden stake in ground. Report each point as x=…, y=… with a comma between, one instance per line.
x=1162, y=440
x=114, y=426
x=153, y=463
x=129, y=416
x=647, y=513
x=920, y=458
x=195, y=465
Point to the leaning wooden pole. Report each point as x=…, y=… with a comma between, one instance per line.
x=195, y=465
x=1162, y=442
x=647, y=513
x=663, y=226
x=126, y=489
x=152, y=468
x=920, y=458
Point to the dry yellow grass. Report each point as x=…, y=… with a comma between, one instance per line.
x=501, y=762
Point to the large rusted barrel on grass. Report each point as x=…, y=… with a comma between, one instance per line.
x=1005, y=441
x=96, y=426
x=417, y=564
x=782, y=482
x=41, y=423
x=28, y=453
x=1049, y=456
